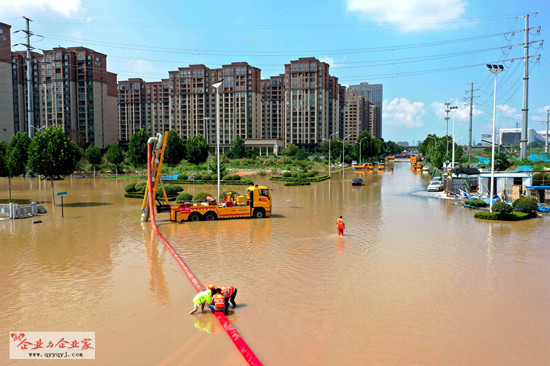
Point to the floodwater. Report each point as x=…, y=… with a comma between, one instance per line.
x=415, y=280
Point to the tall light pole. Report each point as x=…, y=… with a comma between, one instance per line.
x=495, y=69
x=453, y=108
x=335, y=133
x=447, y=110
x=217, y=85
x=343, y=148
x=360, y=141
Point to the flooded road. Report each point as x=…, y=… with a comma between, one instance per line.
x=415, y=281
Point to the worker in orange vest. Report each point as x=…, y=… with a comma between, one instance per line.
x=340, y=225
x=229, y=293
x=218, y=301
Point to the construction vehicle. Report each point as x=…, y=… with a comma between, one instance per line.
x=257, y=203
x=365, y=166
x=414, y=160
x=381, y=167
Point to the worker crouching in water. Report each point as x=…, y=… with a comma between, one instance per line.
x=229, y=293
x=218, y=301
x=200, y=299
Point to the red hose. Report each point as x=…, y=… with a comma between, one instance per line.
x=229, y=328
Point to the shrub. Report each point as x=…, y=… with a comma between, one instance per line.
x=294, y=174
x=487, y=215
x=200, y=197
x=171, y=189
x=502, y=207
x=314, y=172
x=261, y=173
x=478, y=203
x=525, y=204
x=140, y=187
x=198, y=177
x=233, y=194
x=130, y=188
x=287, y=174
x=206, y=177
x=184, y=197
x=236, y=177
x=214, y=177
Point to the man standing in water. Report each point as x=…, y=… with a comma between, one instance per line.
x=340, y=225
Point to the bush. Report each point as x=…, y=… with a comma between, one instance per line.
x=140, y=187
x=287, y=174
x=502, y=207
x=184, y=197
x=200, y=197
x=478, y=203
x=206, y=177
x=214, y=177
x=525, y=204
x=130, y=188
x=297, y=183
x=261, y=173
x=314, y=172
x=198, y=177
x=233, y=194
x=294, y=174
x=487, y=215
x=236, y=177
x=171, y=189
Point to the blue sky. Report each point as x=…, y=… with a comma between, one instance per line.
x=424, y=52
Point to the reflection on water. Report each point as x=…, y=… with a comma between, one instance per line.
x=414, y=280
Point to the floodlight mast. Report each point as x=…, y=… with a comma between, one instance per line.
x=495, y=69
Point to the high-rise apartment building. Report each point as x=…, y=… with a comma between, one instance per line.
x=6, y=94
x=374, y=93
x=311, y=102
x=20, y=94
x=79, y=94
x=355, y=115
x=273, y=108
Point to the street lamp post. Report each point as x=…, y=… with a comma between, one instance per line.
x=453, y=108
x=495, y=69
x=335, y=133
x=206, y=129
x=343, y=142
x=360, y=141
x=217, y=85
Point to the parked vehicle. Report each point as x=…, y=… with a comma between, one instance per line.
x=357, y=182
x=435, y=186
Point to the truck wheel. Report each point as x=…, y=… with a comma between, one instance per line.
x=210, y=216
x=259, y=213
x=194, y=216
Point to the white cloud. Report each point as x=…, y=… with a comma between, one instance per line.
x=543, y=109
x=401, y=112
x=508, y=111
x=413, y=15
x=139, y=67
x=13, y=8
x=461, y=114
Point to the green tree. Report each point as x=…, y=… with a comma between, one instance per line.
x=290, y=150
x=239, y=150
x=175, y=149
x=137, y=149
x=93, y=155
x=361, y=148
x=197, y=149
x=115, y=156
x=15, y=156
x=501, y=162
x=52, y=154
x=301, y=155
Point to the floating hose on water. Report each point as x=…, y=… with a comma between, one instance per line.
x=229, y=328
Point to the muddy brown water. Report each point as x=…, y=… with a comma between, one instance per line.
x=415, y=281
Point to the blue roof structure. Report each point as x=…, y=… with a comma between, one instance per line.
x=538, y=157
x=524, y=168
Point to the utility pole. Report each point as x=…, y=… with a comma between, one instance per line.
x=29, y=78
x=525, y=109
x=546, y=146
x=471, y=116
x=447, y=110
